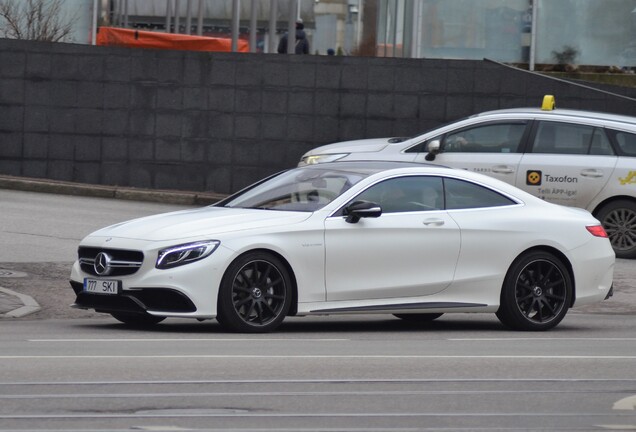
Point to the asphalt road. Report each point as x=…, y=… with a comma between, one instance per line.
x=367, y=373
x=63, y=369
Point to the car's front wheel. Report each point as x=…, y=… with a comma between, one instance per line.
x=536, y=292
x=619, y=220
x=255, y=294
x=137, y=320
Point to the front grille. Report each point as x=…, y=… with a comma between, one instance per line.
x=120, y=262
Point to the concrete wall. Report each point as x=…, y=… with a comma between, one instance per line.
x=217, y=121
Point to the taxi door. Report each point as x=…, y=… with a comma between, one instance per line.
x=566, y=163
x=489, y=148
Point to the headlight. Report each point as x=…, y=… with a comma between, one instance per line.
x=318, y=159
x=185, y=254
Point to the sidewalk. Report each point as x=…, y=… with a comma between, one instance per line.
x=15, y=305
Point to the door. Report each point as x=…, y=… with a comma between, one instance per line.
x=567, y=163
x=491, y=148
x=411, y=250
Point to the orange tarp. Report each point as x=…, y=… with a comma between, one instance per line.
x=112, y=36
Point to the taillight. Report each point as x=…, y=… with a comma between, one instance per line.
x=597, y=230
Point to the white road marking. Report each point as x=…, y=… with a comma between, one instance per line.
x=540, y=339
x=190, y=340
x=628, y=403
x=203, y=414
x=304, y=357
x=326, y=380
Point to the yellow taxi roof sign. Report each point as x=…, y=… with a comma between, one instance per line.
x=549, y=103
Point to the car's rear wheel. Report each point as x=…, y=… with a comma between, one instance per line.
x=419, y=317
x=138, y=320
x=536, y=292
x=619, y=220
x=255, y=294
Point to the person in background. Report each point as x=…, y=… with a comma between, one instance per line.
x=302, y=44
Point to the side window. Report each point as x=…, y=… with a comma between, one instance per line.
x=491, y=138
x=626, y=142
x=406, y=194
x=566, y=138
x=462, y=195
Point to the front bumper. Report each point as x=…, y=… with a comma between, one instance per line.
x=158, y=300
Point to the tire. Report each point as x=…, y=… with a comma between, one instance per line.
x=619, y=220
x=419, y=317
x=255, y=294
x=536, y=292
x=137, y=320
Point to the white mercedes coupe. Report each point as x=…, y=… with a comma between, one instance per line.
x=410, y=240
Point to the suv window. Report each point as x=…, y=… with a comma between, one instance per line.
x=567, y=138
x=626, y=142
x=462, y=195
x=406, y=194
x=491, y=138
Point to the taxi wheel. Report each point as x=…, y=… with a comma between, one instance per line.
x=619, y=220
x=536, y=293
x=138, y=320
x=255, y=294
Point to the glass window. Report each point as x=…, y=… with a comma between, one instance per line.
x=627, y=143
x=462, y=195
x=304, y=189
x=567, y=138
x=406, y=194
x=492, y=138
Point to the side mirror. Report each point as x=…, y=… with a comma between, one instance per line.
x=433, y=149
x=361, y=209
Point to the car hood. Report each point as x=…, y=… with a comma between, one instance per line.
x=364, y=145
x=205, y=221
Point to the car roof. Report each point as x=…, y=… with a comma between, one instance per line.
x=363, y=166
x=562, y=114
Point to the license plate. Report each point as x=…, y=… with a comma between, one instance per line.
x=102, y=286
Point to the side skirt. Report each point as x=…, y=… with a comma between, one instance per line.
x=400, y=307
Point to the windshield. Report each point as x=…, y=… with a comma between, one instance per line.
x=305, y=189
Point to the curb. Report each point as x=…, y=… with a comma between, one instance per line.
x=116, y=192
x=29, y=305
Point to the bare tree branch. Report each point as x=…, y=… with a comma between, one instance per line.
x=35, y=20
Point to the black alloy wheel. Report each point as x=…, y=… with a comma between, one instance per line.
x=137, y=320
x=255, y=294
x=536, y=293
x=619, y=220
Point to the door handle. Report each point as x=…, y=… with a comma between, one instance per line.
x=592, y=173
x=433, y=222
x=502, y=169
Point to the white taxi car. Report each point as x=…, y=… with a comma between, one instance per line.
x=569, y=157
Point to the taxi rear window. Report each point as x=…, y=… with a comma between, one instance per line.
x=626, y=142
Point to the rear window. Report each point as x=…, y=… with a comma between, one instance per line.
x=626, y=142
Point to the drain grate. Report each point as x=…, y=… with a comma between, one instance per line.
x=11, y=274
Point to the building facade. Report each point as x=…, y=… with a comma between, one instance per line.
x=584, y=32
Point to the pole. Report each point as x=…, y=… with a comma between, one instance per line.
x=291, y=26
x=236, y=16
x=188, y=25
x=253, y=26
x=94, y=21
x=125, y=13
x=533, y=34
x=177, y=16
x=200, y=19
x=168, y=15
x=273, y=13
